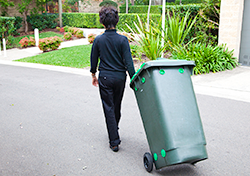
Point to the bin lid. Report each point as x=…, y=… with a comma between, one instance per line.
x=162, y=62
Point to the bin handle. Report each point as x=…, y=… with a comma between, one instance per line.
x=148, y=73
x=135, y=87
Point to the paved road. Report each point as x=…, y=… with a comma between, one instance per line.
x=52, y=124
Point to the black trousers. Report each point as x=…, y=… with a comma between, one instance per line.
x=111, y=91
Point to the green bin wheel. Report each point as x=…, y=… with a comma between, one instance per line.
x=148, y=161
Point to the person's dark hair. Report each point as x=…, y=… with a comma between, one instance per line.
x=109, y=17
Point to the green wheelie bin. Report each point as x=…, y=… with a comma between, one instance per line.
x=169, y=111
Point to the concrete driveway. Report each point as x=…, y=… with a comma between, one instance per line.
x=52, y=124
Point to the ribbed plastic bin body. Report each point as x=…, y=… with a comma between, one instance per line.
x=169, y=112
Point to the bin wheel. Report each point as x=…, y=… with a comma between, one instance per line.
x=148, y=161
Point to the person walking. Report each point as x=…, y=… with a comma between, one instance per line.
x=113, y=51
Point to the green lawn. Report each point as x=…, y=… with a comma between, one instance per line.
x=76, y=56
x=41, y=35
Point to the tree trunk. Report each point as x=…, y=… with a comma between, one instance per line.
x=25, y=22
x=126, y=6
x=133, y=2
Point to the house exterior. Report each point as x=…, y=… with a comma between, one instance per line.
x=231, y=23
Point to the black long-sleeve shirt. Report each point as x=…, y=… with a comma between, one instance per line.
x=114, y=53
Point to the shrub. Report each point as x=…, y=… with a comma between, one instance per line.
x=207, y=57
x=91, y=20
x=73, y=30
x=25, y=42
x=7, y=27
x=178, y=28
x=91, y=37
x=82, y=20
x=66, y=28
x=79, y=34
x=108, y=3
x=149, y=38
x=129, y=19
x=42, y=21
x=49, y=43
x=67, y=36
x=154, y=9
x=17, y=24
x=10, y=41
x=32, y=41
x=136, y=51
x=189, y=1
x=62, y=30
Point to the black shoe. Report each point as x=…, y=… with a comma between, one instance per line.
x=115, y=148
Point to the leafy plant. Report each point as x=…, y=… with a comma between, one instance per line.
x=73, y=30
x=25, y=42
x=4, y=4
x=178, y=28
x=91, y=20
x=208, y=21
x=136, y=51
x=9, y=42
x=7, y=27
x=42, y=35
x=42, y=21
x=91, y=38
x=149, y=38
x=66, y=28
x=156, y=9
x=207, y=57
x=188, y=1
x=32, y=42
x=50, y=43
x=18, y=24
x=67, y=36
x=108, y=3
x=62, y=30
x=79, y=34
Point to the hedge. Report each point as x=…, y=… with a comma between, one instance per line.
x=131, y=18
x=141, y=9
x=81, y=20
x=42, y=21
x=181, y=9
x=91, y=20
x=7, y=26
x=189, y=1
x=108, y=3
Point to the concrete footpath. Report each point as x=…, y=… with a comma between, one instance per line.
x=233, y=84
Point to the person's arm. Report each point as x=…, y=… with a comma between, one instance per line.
x=128, y=58
x=94, y=61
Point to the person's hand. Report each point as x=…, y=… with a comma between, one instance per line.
x=94, y=81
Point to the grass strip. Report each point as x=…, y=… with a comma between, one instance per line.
x=76, y=57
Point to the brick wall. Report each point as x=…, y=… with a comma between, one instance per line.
x=93, y=7
x=12, y=11
x=231, y=17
